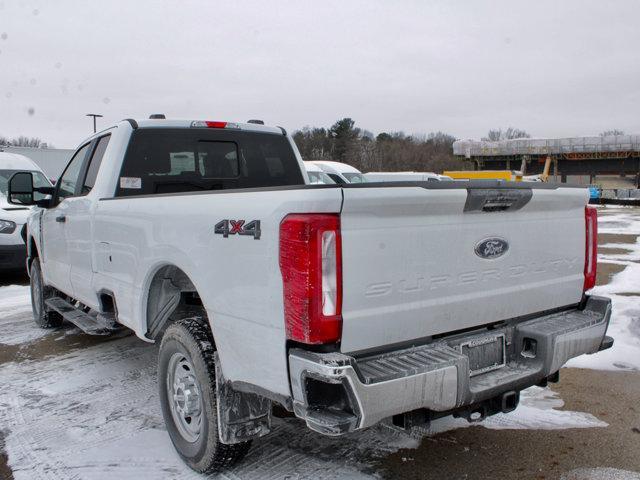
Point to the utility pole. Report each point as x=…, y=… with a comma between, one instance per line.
x=94, y=115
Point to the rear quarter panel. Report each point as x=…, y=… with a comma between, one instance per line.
x=238, y=277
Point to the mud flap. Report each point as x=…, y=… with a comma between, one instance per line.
x=241, y=415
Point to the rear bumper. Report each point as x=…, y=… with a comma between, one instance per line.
x=13, y=257
x=337, y=393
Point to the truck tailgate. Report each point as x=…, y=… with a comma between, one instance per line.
x=419, y=262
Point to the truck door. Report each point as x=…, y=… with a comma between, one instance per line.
x=55, y=254
x=80, y=227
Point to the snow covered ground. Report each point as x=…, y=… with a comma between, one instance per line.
x=93, y=413
x=15, y=304
x=624, y=291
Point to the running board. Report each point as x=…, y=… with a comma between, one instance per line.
x=100, y=324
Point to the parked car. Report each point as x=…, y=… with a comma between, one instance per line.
x=13, y=251
x=406, y=177
x=345, y=305
x=317, y=175
x=340, y=172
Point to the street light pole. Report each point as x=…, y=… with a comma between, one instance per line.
x=94, y=115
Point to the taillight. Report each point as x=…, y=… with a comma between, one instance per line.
x=311, y=267
x=591, y=247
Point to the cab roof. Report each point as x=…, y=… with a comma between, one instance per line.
x=171, y=123
x=335, y=167
x=194, y=124
x=14, y=161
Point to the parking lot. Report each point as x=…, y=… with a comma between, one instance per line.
x=81, y=407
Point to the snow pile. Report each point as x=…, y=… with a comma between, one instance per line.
x=600, y=474
x=537, y=411
x=624, y=291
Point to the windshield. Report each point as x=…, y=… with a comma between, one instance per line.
x=39, y=180
x=355, y=177
x=320, y=178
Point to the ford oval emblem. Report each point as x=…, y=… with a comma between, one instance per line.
x=490, y=248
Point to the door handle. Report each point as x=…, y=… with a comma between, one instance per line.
x=61, y=218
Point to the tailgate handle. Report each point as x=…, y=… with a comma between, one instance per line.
x=496, y=200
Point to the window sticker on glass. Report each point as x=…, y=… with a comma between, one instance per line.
x=130, y=182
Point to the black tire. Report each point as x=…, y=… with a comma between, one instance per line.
x=43, y=316
x=189, y=343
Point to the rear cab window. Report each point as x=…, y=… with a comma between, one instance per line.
x=165, y=160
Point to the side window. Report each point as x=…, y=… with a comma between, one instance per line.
x=336, y=178
x=94, y=164
x=71, y=175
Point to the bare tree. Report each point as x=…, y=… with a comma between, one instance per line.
x=23, y=141
x=388, y=151
x=510, y=133
x=608, y=133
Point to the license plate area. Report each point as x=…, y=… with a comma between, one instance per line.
x=485, y=353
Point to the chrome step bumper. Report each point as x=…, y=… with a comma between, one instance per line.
x=337, y=393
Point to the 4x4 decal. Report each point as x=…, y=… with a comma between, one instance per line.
x=238, y=227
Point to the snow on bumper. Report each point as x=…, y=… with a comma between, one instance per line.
x=337, y=393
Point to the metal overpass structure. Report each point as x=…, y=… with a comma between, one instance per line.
x=585, y=156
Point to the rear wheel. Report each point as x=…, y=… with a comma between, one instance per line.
x=186, y=378
x=43, y=316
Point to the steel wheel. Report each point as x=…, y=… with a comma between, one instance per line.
x=36, y=296
x=184, y=394
x=39, y=292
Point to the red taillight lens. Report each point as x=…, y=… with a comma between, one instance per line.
x=591, y=247
x=311, y=267
x=216, y=124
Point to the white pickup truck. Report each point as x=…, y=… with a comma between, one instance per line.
x=347, y=305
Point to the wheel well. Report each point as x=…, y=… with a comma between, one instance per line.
x=32, y=251
x=172, y=297
x=33, y=248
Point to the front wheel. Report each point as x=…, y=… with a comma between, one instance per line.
x=43, y=316
x=186, y=379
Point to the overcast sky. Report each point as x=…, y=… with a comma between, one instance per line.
x=553, y=68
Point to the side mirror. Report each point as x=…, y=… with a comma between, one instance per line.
x=20, y=191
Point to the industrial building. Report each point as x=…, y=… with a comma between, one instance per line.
x=611, y=161
x=51, y=160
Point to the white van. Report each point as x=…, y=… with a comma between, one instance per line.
x=406, y=177
x=317, y=175
x=13, y=218
x=340, y=172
